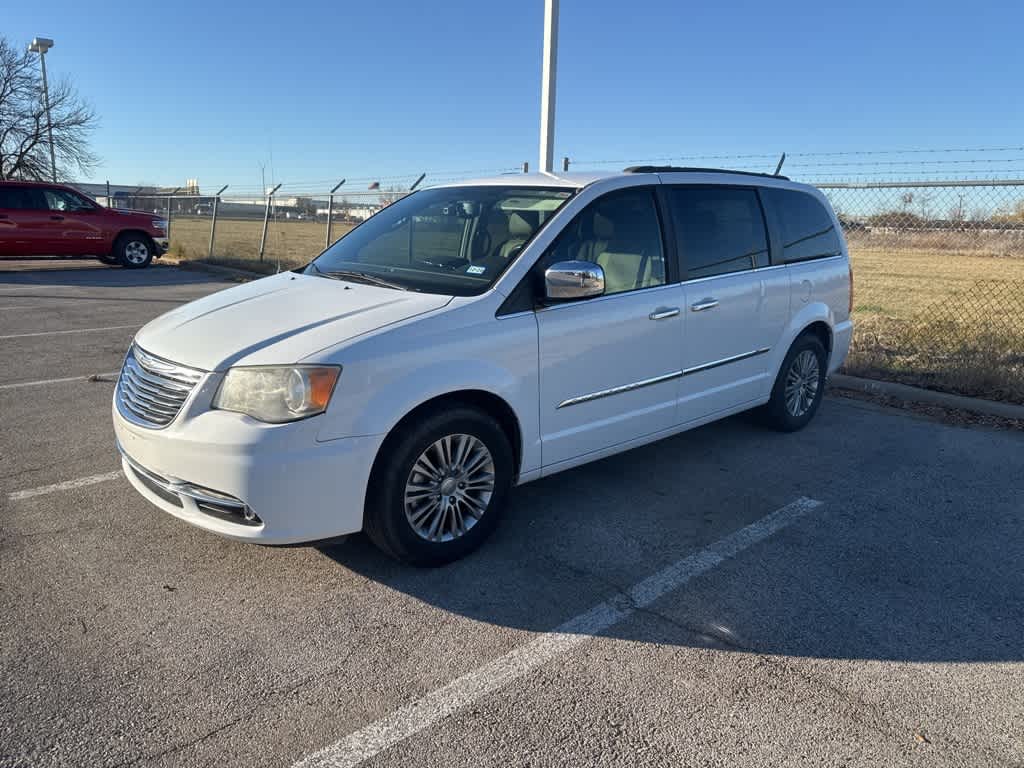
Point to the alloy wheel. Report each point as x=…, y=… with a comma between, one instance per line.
x=802, y=381
x=136, y=252
x=449, y=488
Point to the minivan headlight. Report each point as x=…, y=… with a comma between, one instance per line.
x=277, y=394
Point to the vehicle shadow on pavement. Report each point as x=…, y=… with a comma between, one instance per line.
x=914, y=554
x=99, y=277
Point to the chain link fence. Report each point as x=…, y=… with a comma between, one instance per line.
x=938, y=265
x=266, y=233
x=939, y=283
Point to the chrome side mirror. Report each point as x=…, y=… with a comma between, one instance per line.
x=573, y=280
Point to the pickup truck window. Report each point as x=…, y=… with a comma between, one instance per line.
x=719, y=230
x=16, y=198
x=805, y=227
x=62, y=200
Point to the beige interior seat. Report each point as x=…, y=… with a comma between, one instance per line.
x=626, y=253
x=519, y=231
x=625, y=271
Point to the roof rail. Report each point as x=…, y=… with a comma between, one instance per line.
x=678, y=169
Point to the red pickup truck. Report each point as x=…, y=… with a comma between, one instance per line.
x=40, y=219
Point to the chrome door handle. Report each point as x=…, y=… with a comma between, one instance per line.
x=662, y=313
x=703, y=304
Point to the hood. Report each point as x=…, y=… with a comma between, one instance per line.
x=131, y=213
x=277, y=320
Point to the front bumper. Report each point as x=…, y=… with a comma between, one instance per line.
x=162, y=245
x=233, y=476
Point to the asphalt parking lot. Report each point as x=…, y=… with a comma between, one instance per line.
x=849, y=595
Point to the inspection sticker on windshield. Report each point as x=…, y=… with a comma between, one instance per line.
x=475, y=270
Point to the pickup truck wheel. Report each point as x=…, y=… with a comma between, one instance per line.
x=440, y=487
x=799, y=386
x=133, y=250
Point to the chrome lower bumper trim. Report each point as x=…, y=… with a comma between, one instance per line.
x=206, y=500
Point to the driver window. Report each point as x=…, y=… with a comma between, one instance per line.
x=620, y=232
x=59, y=200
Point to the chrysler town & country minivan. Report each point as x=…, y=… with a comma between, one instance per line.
x=472, y=337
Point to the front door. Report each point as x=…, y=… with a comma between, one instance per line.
x=74, y=224
x=609, y=365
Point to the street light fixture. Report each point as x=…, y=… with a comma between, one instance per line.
x=41, y=45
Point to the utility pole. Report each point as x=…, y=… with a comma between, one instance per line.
x=547, y=86
x=41, y=45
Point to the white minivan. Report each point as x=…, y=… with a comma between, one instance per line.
x=472, y=337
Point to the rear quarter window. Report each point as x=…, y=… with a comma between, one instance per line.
x=805, y=228
x=17, y=198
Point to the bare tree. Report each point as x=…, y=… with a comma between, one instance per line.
x=24, y=144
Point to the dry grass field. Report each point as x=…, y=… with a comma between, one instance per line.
x=944, y=311
x=940, y=319
x=238, y=240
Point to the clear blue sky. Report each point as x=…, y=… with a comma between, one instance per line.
x=211, y=89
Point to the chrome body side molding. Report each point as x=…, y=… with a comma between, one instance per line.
x=659, y=379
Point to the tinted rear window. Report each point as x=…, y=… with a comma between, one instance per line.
x=805, y=227
x=14, y=197
x=718, y=229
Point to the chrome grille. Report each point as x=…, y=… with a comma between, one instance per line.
x=151, y=390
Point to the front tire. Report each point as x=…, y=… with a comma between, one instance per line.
x=439, y=487
x=133, y=250
x=799, y=386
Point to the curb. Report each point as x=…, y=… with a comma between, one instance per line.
x=916, y=394
x=216, y=269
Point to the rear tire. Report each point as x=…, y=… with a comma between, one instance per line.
x=133, y=250
x=799, y=386
x=439, y=487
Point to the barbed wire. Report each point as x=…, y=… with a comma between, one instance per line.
x=776, y=155
x=805, y=167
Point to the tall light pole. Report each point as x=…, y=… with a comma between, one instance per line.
x=41, y=45
x=547, y=86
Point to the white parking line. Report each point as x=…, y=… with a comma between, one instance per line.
x=445, y=701
x=67, y=485
x=75, y=330
x=91, y=376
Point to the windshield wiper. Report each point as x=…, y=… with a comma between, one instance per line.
x=359, y=277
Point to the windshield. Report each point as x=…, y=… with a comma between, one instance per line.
x=451, y=240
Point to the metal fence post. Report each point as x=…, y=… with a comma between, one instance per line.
x=168, y=230
x=213, y=222
x=266, y=219
x=330, y=211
